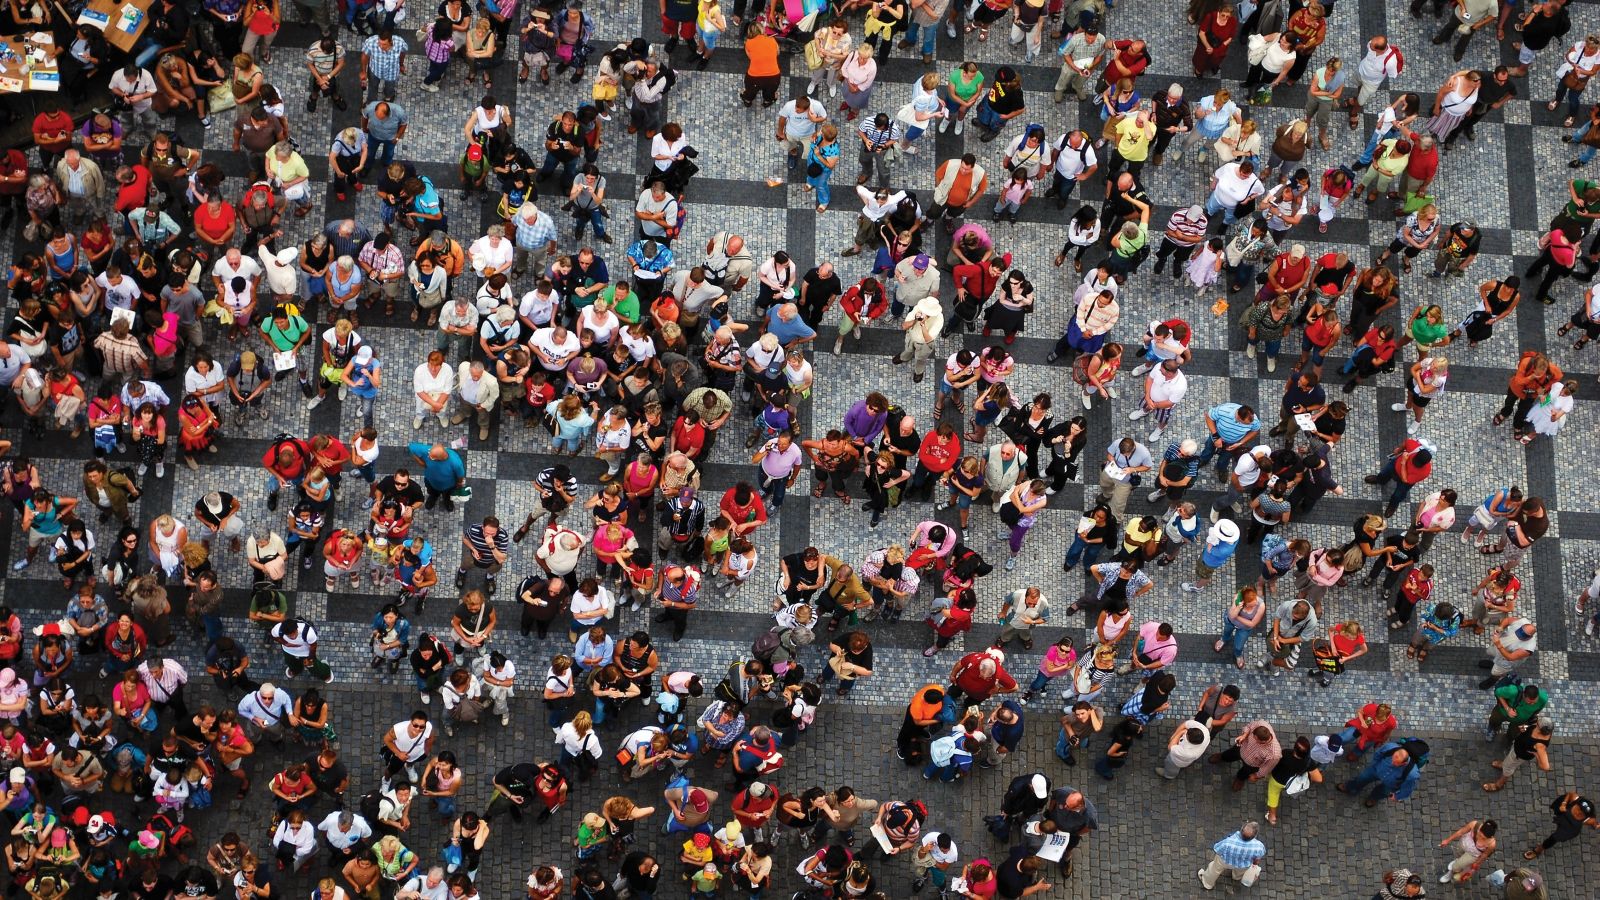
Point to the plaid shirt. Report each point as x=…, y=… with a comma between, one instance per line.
x=384, y=265
x=122, y=356
x=1238, y=853
x=382, y=64
x=535, y=234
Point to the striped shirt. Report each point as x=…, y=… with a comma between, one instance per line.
x=880, y=137
x=481, y=543
x=1238, y=853
x=324, y=62
x=686, y=593
x=1192, y=228
x=1191, y=464
x=173, y=678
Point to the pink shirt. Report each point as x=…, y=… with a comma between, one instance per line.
x=1154, y=647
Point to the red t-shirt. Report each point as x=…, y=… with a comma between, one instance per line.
x=1405, y=467
x=52, y=130
x=14, y=164
x=135, y=194
x=1423, y=165
x=214, y=225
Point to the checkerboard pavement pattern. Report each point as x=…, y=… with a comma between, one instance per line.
x=1510, y=180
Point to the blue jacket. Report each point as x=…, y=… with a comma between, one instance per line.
x=1399, y=780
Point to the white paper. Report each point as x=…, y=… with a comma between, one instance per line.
x=1305, y=421
x=283, y=360
x=1114, y=471
x=882, y=837
x=1055, y=847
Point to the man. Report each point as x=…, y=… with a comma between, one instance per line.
x=266, y=710
x=1239, y=854
x=1003, y=102
x=1517, y=705
x=979, y=676
x=1081, y=55
x=298, y=641
x=1075, y=162
x=383, y=62
x=487, y=546
x=1457, y=250
x=1164, y=386
x=385, y=124
x=1409, y=465
x=819, y=289
x=877, y=135
x=345, y=834
x=1509, y=649
x=164, y=680
x=443, y=472
x=1292, y=624
x=1380, y=63
x=728, y=264
x=797, y=124
x=409, y=742
x=1125, y=459
x=1233, y=185
x=1470, y=16
x=1074, y=816
x=1004, y=463
x=82, y=187
x=657, y=211
x=922, y=326
x=958, y=185
x=137, y=88
x=1393, y=773
x=677, y=594
x=1303, y=394
x=1233, y=427
x=325, y=60
x=1021, y=612
x=1186, y=231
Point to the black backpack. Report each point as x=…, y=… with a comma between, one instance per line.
x=370, y=804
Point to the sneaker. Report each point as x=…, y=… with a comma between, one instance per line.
x=142, y=470
x=161, y=470
x=416, y=424
x=1398, y=407
x=959, y=125
x=1011, y=563
x=1272, y=364
x=1140, y=369
x=1153, y=496
x=944, y=126
x=1445, y=878
x=1111, y=391
x=23, y=563
x=1249, y=351
x=1190, y=587
x=1088, y=402
x=505, y=719
x=1138, y=414
x=287, y=672
x=1156, y=435
x=1588, y=628
x=1413, y=426
x=426, y=700
x=344, y=391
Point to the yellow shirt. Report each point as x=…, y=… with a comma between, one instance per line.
x=1133, y=140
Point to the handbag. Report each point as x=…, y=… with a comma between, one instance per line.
x=1299, y=784
x=813, y=55
x=1572, y=81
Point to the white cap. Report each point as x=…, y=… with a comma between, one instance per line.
x=1041, y=787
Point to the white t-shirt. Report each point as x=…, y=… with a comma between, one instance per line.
x=798, y=125
x=1232, y=188
x=247, y=269
x=142, y=83
x=1183, y=753
x=425, y=382
x=1171, y=389
x=413, y=747
x=537, y=308
x=564, y=352
x=1070, y=160
x=1248, y=468
x=942, y=857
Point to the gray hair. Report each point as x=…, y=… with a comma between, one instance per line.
x=1249, y=830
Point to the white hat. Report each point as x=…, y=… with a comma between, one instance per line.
x=287, y=255
x=1041, y=787
x=1225, y=531
x=363, y=355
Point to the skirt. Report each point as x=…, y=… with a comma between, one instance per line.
x=857, y=100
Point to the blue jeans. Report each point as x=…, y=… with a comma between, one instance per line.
x=945, y=774
x=272, y=483
x=774, y=489
x=1213, y=207
x=435, y=72
x=381, y=152
x=212, y=623
x=1348, y=739
x=1372, y=147
x=1234, y=636
x=1573, y=98
x=930, y=38
x=1040, y=679
x=572, y=444
x=569, y=167
x=1401, y=489
x=1585, y=152
x=446, y=806
x=987, y=118
x=1064, y=751
x=820, y=184
x=1380, y=791
x=592, y=216
x=1241, y=276
x=1082, y=550
x=1224, y=457
x=1272, y=347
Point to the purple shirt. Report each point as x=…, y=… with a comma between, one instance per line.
x=863, y=425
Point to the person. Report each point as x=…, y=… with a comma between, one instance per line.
x=1239, y=854
x=1572, y=812
x=1393, y=773
x=1530, y=743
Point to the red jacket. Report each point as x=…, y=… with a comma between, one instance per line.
x=1371, y=735
x=1405, y=467
x=970, y=681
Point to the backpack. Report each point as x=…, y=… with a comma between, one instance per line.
x=676, y=228
x=767, y=644
x=1083, y=152
x=134, y=491
x=370, y=805
x=967, y=564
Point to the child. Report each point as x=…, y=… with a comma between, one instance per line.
x=1013, y=194
x=964, y=483
x=1058, y=660
x=704, y=881
x=696, y=857
x=1205, y=266
x=592, y=836
x=1416, y=588
x=1438, y=622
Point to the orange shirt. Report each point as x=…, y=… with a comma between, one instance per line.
x=921, y=710
x=763, y=53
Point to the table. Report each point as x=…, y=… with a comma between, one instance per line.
x=16, y=77
x=121, y=20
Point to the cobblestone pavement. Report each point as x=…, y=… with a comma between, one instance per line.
x=1510, y=180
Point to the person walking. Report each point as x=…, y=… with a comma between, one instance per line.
x=1528, y=744
x=1572, y=812
x=1393, y=773
x=1239, y=854
x=1473, y=843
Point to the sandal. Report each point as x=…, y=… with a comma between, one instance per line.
x=983, y=34
x=1217, y=647
x=1492, y=787
x=1552, y=107
x=1535, y=853
x=1238, y=662
x=1498, y=420
x=1411, y=653
x=817, y=492
x=1489, y=550
x=388, y=308
x=823, y=208
x=1567, y=122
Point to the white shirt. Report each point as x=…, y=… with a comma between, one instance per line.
x=248, y=269
x=933, y=320
x=797, y=125
x=359, y=830
x=142, y=83
x=942, y=857
x=484, y=255
x=584, y=607
x=1375, y=67
x=563, y=353
x=538, y=308
x=577, y=745
x=298, y=646
x=281, y=279
x=1070, y=160
x=1183, y=753
x=1164, y=389
x=121, y=295
x=425, y=382
x=1577, y=59
x=660, y=147
x=413, y=747
x=440, y=891
x=1233, y=189
x=1248, y=468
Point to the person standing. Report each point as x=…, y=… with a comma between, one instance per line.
x=1509, y=648
x=922, y=325
x=1393, y=773
x=1239, y=854
x=1474, y=842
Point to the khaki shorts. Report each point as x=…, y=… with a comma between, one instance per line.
x=37, y=538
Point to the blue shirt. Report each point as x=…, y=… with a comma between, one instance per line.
x=1221, y=553
x=1238, y=853
x=439, y=474
x=361, y=379
x=1226, y=417
x=427, y=202
x=1400, y=780
x=1007, y=736
x=793, y=330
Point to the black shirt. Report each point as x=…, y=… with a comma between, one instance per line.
x=519, y=779
x=1290, y=766
x=1295, y=397
x=204, y=514
x=1538, y=33
x=410, y=495
x=1009, y=877
x=327, y=780
x=1490, y=91
x=817, y=290
x=799, y=572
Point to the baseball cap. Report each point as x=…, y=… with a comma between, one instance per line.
x=697, y=799
x=921, y=262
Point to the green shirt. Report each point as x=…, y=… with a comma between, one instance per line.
x=1522, y=709
x=1427, y=333
x=285, y=338
x=1579, y=185
x=1127, y=247
x=626, y=309
x=963, y=89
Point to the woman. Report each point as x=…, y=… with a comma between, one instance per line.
x=1239, y=621
x=920, y=113
x=860, y=74
x=1345, y=642
x=179, y=86
x=1270, y=55
x=197, y=426
x=73, y=554
x=482, y=52
x=311, y=713
x=1417, y=234
x=1296, y=762
x=341, y=555
x=1558, y=254
x=1083, y=232
x=1009, y=311
x=1264, y=326
x=390, y=637
x=1214, y=37
x=1549, y=415
x=347, y=159
x=438, y=45
x=960, y=93
x=1474, y=842
x=1309, y=27
x=1239, y=143
x=1498, y=299
x=1534, y=375
x=826, y=52
x=261, y=20
x=1022, y=506
x=710, y=23
x=883, y=473
x=822, y=157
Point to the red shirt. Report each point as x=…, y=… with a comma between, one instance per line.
x=132, y=196
x=754, y=511
x=214, y=226
x=52, y=130
x=1127, y=63
x=1405, y=467
x=1374, y=734
x=688, y=439
x=939, y=455
x=14, y=164
x=970, y=681
x=333, y=457
x=1423, y=165
x=299, y=458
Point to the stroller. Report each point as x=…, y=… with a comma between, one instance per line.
x=791, y=22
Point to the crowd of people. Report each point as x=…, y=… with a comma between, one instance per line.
x=152, y=297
